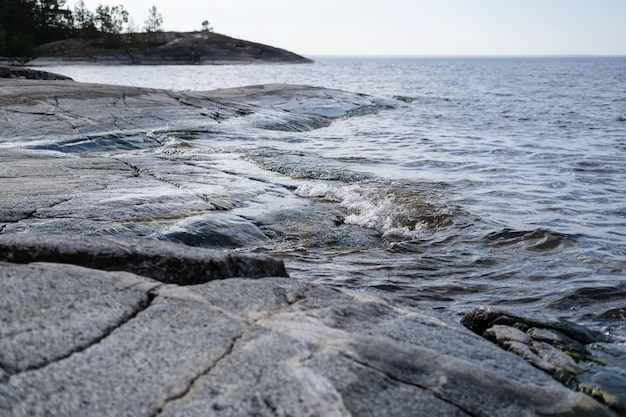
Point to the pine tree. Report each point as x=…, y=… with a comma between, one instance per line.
x=154, y=21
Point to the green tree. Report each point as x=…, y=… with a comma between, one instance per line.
x=53, y=20
x=18, y=20
x=21, y=45
x=206, y=26
x=3, y=32
x=3, y=38
x=84, y=21
x=111, y=20
x=131, y=27
x=153, y=25
x=154, y=21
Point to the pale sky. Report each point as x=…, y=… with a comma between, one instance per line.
x=403, y=27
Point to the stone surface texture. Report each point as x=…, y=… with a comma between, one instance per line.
x=78, y=341
x=106, y=310
x=57, y=178
x=572, y=354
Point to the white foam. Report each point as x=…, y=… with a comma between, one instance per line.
x=374, y=206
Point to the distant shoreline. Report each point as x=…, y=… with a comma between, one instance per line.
x=166, y=48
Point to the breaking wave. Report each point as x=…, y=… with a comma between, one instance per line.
x=394, y=212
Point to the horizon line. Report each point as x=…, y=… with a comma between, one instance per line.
x=465, y=55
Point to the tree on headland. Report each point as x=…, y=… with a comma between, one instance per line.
x=153, y=24
x=83, y=17
x=84, y=21
x=154, y=21
x=3, y=44
x=54, y=20
x=131, y=27
x=206, y=26
x=111, y=20
x=26, y=24
x=19, y=23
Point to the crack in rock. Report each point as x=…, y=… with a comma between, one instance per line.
x=231, y=348
x=213, y=113
x=139, y=171
x=34, y=113
x=137, y=309
x=31, y=215
x=228, y=351
x=212, y=205
x=394, y=378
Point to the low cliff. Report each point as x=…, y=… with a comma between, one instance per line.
x=163, y=48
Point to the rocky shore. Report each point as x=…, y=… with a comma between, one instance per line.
x=108, y=310
x=172, y=48
x=10, y=71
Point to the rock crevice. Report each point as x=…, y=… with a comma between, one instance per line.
x=163, y=261
x=142, y=305
x=575, y=356
x=435, y=393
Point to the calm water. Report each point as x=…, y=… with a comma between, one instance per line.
x=496, y=182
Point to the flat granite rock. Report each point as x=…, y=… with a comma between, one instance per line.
x=36, y=109
x=98, y=160
x=78, y=341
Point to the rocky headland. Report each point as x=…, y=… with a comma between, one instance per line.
x=163, y=48
x=111, y=306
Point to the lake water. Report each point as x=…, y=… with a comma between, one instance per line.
x=495, y=182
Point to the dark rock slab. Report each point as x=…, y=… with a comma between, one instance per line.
x=572, y=354
x=163, y=261
x=79, y=341
x=29, y=73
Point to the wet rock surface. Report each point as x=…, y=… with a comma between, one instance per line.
x=114, y=161
x=95, y=113
x=572, y=354
x=107, y=311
